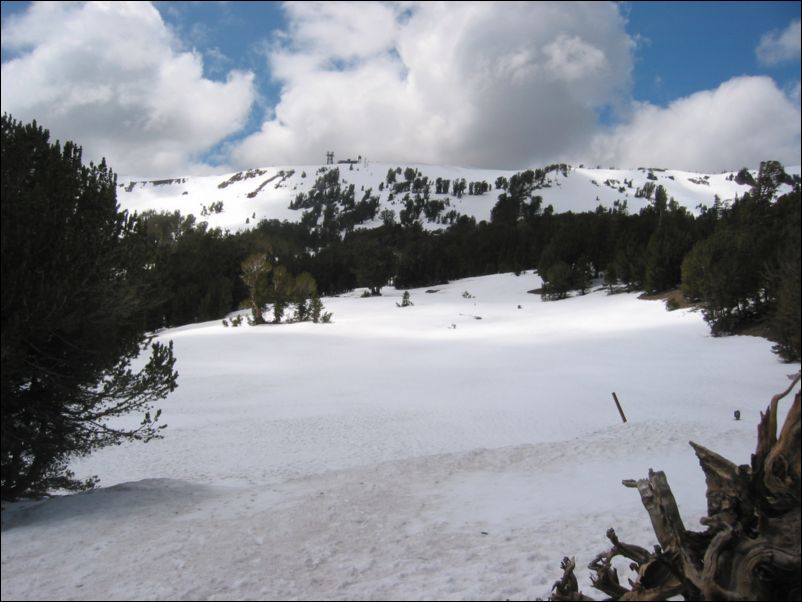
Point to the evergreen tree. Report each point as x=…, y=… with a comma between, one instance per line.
x=280, y=291
x=73, y=310
x=582, y=278
x=373, y=263
x=304, y=289
x=667, y=246
x=405, y=302
x=742, y=271
x=193, y=272
x=784, y=277
x=785, y=322
x=506, y=211
x=317, y=313
x=388, y=217
x=723, y=272
x=744, y=177
x=557, y=281
x=610, y=277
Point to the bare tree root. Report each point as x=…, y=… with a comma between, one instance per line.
x=750, y=549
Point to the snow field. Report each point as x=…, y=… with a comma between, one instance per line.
x=400, y=453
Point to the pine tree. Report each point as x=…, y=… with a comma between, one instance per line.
x=610, y=277
x=405, y=302
x=785, y=322
x=667, y=246
x=316, y=309
x=557, y=281
x=73, y=311
x=373, y=262
x=304, y=289
x=784, y=275
x=281, y=290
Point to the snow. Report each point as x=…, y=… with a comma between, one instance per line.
x=400, y=453
x=582, y=189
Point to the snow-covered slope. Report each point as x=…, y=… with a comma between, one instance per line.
x=454, y=449
x=266, y=193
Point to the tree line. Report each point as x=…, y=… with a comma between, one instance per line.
x=740, y=261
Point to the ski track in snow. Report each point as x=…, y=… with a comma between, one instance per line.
x=389, y=456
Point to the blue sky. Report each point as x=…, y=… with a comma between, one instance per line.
x=167, y=88
x=691, y=46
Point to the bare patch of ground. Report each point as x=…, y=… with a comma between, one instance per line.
x=675, y=299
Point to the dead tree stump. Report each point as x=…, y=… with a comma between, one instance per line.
x=750, y=549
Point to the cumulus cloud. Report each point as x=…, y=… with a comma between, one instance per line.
x=506, y=85
x=496, y=85
x=109, y=76
x=742, y=122
x=795, y=93
x=780, y=46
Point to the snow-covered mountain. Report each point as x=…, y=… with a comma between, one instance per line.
x=266, y=193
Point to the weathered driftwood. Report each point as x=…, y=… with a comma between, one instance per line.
x=750, y=549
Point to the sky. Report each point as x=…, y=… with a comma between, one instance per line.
x=169, y=89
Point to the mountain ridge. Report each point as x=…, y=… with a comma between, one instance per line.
x=249, y=196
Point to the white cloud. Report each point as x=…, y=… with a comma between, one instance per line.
x=794, y=91
x=341, y=31
x=780, y=46
x=571, y=58
x=742, y=122
x=491, y=84
x=478, y=84
x=109, y=76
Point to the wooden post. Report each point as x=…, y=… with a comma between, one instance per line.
x=618, y=405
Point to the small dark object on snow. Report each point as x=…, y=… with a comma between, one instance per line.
x=620, y=409
x=737, y=414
